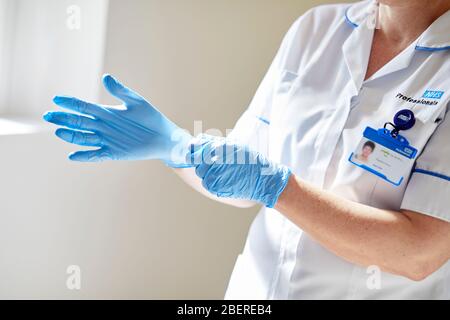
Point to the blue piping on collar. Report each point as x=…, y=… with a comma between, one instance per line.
x=347, y=19
x=432, y=49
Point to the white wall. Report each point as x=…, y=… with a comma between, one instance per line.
x=44, y=54
x=6, y=29
x=133, y=228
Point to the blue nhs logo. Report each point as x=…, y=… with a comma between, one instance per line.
x=433, y=94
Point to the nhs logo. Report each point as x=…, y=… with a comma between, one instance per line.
x=433, y=94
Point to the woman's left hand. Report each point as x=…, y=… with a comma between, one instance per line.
x=234, y=171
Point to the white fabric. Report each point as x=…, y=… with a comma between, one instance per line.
x=310, y=113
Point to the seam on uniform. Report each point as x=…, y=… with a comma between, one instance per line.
x=433, y=174
x=276, y=275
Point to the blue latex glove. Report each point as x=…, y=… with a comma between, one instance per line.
x=234, y=171
x=135, y=130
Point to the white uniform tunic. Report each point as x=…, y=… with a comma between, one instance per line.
x=310, y=113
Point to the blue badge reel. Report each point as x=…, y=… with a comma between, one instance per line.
x=385, y=152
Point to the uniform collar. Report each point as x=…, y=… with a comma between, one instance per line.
x=357, y=13
x=435, y=38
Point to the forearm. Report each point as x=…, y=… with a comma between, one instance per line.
x=188, y=176
x=362, y=234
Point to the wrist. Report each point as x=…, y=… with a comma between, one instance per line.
x=273, y=184
x=179, y=156
x=286, y=196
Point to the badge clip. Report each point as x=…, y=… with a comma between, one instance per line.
x=403, y=120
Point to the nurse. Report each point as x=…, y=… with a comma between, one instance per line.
x=330, y=228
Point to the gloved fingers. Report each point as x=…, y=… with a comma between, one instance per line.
x=79, y=138
x=202, y=169
x=98, y=155
x=80, y=106
x=72, y=121
x=214, y=184
x=121, y=92
x=206, y=185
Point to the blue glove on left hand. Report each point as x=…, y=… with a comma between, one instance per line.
x=233, y=171
x=136, y=130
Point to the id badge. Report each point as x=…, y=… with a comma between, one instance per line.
x=386, y=155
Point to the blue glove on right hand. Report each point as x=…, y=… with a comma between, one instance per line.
x=133, y=131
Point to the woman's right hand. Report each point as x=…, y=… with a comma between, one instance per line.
x=135, y=130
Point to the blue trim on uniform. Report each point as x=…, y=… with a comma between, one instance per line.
x=433, y=174
x=347, y=19
x=432, y=49
x=263, y=120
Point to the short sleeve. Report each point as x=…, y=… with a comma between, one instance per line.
x=428, y=190
x=252, y=128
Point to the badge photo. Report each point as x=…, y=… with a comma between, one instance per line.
x=387, y=157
